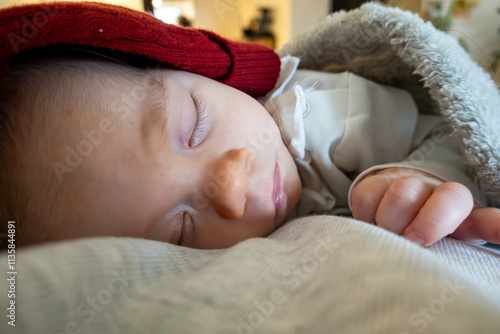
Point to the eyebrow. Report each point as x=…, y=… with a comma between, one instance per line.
x=155, y=116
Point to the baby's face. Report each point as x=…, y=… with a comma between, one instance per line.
x=179, y=158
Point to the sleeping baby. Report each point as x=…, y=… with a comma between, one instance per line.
x=92, y=146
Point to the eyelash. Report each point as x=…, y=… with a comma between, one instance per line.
x=201, y=121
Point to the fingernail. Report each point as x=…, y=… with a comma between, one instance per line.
x=415, y=237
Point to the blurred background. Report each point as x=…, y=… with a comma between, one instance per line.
x=475, y=23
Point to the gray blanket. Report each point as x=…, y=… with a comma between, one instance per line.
x=398, y=48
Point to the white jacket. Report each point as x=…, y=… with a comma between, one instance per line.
x=340, y=127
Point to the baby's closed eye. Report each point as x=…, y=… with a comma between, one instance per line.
x=200, y=129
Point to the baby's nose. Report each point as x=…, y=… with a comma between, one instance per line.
x=230, y=174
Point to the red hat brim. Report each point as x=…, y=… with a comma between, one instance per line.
x=246, y=66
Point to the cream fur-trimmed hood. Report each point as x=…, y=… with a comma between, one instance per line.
x=398, y=48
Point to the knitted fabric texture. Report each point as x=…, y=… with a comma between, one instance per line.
x=398, y=48
x=248, y=67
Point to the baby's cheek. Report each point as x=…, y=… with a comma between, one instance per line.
x=128, y=158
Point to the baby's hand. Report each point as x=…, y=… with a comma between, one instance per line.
x=422, y=207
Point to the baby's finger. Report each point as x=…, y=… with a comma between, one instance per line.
x=481, y=224
x=366, y=196
x=447, y=207
x=401, y=203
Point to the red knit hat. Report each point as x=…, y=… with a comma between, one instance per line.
x=245, y=66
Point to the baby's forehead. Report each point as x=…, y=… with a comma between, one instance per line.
x=61, y=98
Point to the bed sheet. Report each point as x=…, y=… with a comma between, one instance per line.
x=319, y=274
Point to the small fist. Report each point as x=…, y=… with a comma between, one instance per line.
x=422, y=207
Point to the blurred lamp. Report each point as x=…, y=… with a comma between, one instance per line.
x=167, y=14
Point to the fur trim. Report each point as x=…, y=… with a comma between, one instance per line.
x=398, y=48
